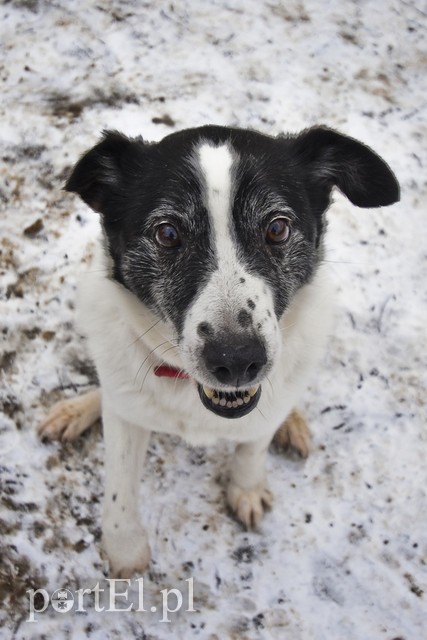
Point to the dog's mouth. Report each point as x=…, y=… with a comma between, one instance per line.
x=230, y=404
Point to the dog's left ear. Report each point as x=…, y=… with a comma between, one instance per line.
x=332, y=159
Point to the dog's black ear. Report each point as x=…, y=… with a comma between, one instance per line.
x=333, y=159
x=98, y=176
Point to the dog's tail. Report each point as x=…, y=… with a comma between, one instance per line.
x=67, y=419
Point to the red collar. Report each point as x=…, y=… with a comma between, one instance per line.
x=165, y=371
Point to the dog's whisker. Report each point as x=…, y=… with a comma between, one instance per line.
x=261, y=413
x=145, y=332
x=146, y=358
x=287, y=326
x=174, y=346
x=180, y=371
x=150, y=368
x=153, y=364
x=270, y=383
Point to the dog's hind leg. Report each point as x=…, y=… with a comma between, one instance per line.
x=67, y=419
x=293, y=434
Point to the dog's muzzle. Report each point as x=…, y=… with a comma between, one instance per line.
x=234, y=362
x=230, y=404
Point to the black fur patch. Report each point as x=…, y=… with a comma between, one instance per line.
x=205, y=330
x=244, y=318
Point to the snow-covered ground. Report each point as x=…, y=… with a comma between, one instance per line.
x=344, y=552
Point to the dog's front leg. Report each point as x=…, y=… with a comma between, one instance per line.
x=124, y=540
x=248, y=494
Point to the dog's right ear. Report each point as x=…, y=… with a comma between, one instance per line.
x=98, y=176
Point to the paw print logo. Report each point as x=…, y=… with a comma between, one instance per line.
x=62, y=600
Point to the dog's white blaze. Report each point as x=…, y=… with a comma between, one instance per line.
x=216, y=164
x=230, y=287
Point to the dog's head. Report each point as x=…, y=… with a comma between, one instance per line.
x=216, y=229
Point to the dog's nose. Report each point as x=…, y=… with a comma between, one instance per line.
x=235, y=364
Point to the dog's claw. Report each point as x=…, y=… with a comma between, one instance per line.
x=249, y=505
x=294, y=434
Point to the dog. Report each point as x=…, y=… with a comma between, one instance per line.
x=208, y=304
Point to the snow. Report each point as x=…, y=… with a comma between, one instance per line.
x=344, y=551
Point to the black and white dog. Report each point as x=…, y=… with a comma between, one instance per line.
x=208, y=304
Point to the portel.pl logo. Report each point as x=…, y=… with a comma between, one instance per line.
x=117, y=595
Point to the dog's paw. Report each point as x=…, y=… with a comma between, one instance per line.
x=249, y=505
x=294, y=434
x=67, y=419
x=126, y=557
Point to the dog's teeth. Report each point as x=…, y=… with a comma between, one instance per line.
x=232, y=400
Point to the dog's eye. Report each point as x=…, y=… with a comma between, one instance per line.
x=277, y=231
x=167, y=236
